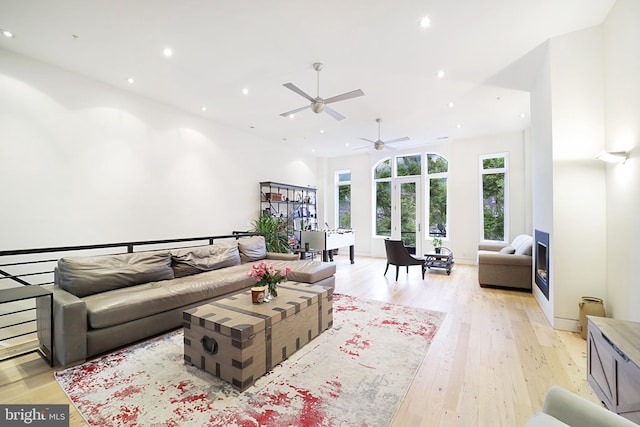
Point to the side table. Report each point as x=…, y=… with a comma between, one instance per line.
x=443, y=260
x=28, y=292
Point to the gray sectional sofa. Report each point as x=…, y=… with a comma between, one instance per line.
x=104, y=302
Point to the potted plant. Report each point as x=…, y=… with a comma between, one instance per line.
x=267, y=278
x=274, y=230
x=437, y=244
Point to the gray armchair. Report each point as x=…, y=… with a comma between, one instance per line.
x=508, y=266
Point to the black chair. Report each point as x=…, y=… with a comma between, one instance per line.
x=397, y=254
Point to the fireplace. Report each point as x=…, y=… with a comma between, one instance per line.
x=541, y=252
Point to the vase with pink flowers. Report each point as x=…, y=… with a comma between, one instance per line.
x=266, y=275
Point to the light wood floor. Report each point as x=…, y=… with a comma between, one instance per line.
x=490, y=364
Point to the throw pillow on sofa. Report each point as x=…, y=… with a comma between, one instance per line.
x=188, y=261
x=508, y=250
x=82, y=276
x=252, y=248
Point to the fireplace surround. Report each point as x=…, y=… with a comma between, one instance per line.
x=541, y=252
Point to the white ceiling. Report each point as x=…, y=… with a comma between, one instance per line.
x=221, y=47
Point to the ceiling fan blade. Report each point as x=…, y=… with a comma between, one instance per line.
x=288, y=113
x=348, y=95
x=362, y=148
x=368, y=140
x=297, y=90
x=404, y=138
x=333, y=113
x=388, y=147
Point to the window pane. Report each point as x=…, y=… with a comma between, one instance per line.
x=494, y=163
x=383, y=209
x=408, y=215
x=344, y=176
x=438, y=207
x=493, y=205
x=436, y=164
x=383, y=170
x=344, y=206
x=409, y=165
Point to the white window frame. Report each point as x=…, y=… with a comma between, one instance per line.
x=504, y=170
x=427, y=198
x=338, y=184
x=374, y=231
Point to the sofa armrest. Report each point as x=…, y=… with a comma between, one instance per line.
x=280, y=256
x=577, y=411
x=503, y=259
x=70, y=327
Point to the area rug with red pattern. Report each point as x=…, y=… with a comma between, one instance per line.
x=354, y=374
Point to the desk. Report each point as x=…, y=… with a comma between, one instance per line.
x=442, y=260
x=28, y=292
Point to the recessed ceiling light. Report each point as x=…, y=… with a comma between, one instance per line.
x=313, y=150
x=425, y=22
x=203, y=108
x=459, y=126
x=167, y=51
x=346, y=145
x=130, y=80
x=245, y=91
x=321, y=130
x=523, y=115
x=292, y=116
x=440, y=74
x=451, y=104
x=7, y=34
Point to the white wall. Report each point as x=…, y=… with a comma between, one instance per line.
x=579, y=214
x=542, y=170
x=587, y=99
x=464, y=191
x=83, y=162
x=622, y=106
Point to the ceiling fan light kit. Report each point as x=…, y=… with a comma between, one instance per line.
x=318, y=104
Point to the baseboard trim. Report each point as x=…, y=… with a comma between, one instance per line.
x=570, y=325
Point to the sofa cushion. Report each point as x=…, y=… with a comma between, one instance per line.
x=306, y=271
x=124, y=305
x=522, y=244
x=508, y=250
x=252, y=248
x=90, y=275
x=188, y=261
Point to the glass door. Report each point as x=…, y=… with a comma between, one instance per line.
x=407, y=225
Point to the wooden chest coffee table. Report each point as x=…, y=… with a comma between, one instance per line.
x=238, y=341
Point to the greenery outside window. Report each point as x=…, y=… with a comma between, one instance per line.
x=437, y=171
x=343, y=211
x=494, y=192
x=382, y=182
x=409, y=165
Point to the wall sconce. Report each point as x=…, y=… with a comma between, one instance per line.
x=614, y=157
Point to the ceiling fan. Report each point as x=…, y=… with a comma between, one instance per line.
x=318, y=104
x=380, y=144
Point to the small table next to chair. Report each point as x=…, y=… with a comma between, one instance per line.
x=443, y=260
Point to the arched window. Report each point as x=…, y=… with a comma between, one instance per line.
x=382, y=183
x=436, y=203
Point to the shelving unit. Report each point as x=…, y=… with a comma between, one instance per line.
x=295, y=204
